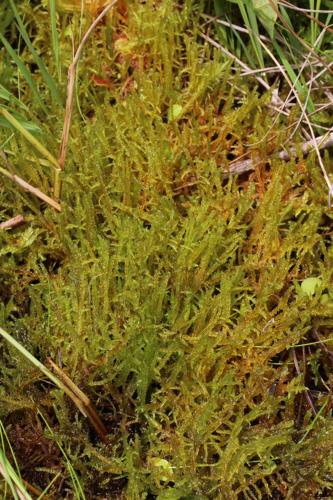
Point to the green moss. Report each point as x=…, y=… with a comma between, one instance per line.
x=168, y=293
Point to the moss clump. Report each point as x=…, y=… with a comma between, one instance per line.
x=168, y=291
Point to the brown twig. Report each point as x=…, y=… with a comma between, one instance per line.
x=35, y=490
x=9, y=172
x=71, y=85
x=239, y=167
x=301, y=9
x=33, y=190
x=81, y=401
x=13, y=222
x=322, y=142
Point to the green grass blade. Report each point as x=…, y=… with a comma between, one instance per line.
x=77, y=400
x=4, y=461
x=27, y=125
x=24, y=71
x=33, y=141
x=75, y=480
x=250, y=21
x=301, y=90
x=12, y=479
x=313, y=24
x=54, y=37
x=51, y=84
x=9, y=97
x=4, y=470
x=243, y=46
x=4, y=437
x=218, y=8
x=285, y=15
x=56, y=477
x=31, y=358
x=254, y=31
x=312, y=424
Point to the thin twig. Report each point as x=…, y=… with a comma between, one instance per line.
x=266, y=70
x=322, y=142
x=322, y=344
x=234, y=58
x=33, y=190
x=70, y=88
x=300, y=9
x=13, y=222
x=241, y=166
x=81, y=401
x=35, y=490
x=313, y=137
x=307, y=395
x=229, y=24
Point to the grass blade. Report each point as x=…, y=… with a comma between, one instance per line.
x=9, y=97
x=13, y=480
x=54, y=37
x=250, y=20
x=51, y=84
x=24, y=71
x=82, y=402
x=33, y=141
x=75, y=480
x=302, y=92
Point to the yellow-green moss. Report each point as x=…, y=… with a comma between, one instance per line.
x=168, y=293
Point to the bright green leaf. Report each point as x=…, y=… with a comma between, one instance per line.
x=164, y=466
x=266, y=10
x=309, y=286
x=174, y=112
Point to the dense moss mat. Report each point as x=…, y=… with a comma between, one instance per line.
x=167, y=291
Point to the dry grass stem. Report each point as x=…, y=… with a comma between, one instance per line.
x=291, y=6
x=234, y=58
x=82, y=401
x=301, y=106
x=13, y=222
x=31, y=189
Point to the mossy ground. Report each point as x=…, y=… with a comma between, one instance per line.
x=168, y=291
